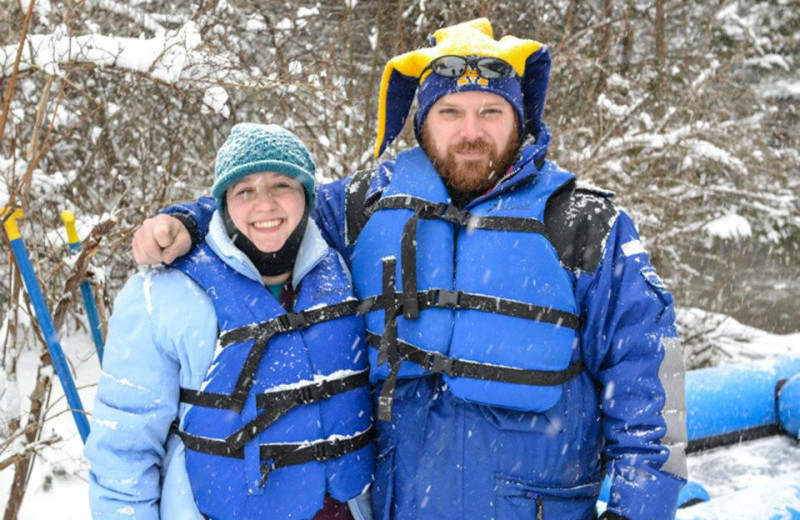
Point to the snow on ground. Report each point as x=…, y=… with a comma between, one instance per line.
x=59, y=488
x=58, y=485
x=730, y=469
x=758, y=479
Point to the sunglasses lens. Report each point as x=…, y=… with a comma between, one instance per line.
x=492, y=68
x=449, y=66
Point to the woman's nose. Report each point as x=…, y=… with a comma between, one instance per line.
x=265, y=197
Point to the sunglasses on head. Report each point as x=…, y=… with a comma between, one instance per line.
x=456, y=66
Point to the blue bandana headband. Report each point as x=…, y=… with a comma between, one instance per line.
x=435, y=87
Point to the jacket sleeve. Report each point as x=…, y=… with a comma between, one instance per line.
x=344, y=206
x=630, y=346
x=330, y=213
x=198, y=212
x=137, y=400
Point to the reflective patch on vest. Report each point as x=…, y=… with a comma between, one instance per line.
x=652, y=277
x=671, y=374
x=634, y=247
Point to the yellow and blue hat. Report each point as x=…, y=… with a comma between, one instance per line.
x=410, y=74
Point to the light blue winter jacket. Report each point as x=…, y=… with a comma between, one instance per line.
x=161, y=337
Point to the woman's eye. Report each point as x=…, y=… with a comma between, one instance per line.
x=281, y=187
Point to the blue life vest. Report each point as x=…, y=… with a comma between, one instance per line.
x=284, y=415
x=477, y=295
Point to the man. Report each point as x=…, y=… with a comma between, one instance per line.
x=523, y=345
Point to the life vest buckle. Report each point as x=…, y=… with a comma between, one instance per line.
x=448, y=213
x=309, y=394
x=438, y=363
x=292, y=321
x=321, y=451
x=444, y=298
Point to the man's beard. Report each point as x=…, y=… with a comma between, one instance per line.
x=473, y=177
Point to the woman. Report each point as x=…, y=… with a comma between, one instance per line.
x=234, y=382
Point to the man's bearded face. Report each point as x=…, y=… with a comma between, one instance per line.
x=471, y=137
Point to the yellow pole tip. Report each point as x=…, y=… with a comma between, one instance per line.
x=9, y=212
x=67, y=217
x=10, y=216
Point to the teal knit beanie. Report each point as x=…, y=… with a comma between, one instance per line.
x=255, y=148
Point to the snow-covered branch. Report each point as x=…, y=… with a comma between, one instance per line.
x=167, y=57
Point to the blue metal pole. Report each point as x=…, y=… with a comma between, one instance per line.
x=87, y=294
x=45, y=321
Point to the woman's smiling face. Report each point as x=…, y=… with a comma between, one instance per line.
x=266, y=208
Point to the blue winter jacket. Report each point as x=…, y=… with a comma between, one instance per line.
x=442, y=457
x=162, y=337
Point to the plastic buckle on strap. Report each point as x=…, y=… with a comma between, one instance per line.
x=321, y=452
x=308, y=394
x=292, y=321
x=442, y=365
x=444, y=298
x=438, y=363
x=439, y=210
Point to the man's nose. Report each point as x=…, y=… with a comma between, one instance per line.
x=471, y=128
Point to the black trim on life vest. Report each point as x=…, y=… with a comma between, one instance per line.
x=454, y=367
x=263, y=332
x=579, y=237
x=274, y=405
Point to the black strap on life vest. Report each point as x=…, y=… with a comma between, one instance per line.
x=427, y=210
x=388, y=345
x=441, y=364
x=411, y=301
x=263, y=332
x=290, y=454
x=272, y=406
x=441, y=298
x=283, y=455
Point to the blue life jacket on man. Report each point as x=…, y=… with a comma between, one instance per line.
x=284, y=415
x=447, y=297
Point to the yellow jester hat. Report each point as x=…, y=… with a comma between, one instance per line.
x=407, y=73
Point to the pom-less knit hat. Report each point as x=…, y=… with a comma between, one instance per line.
x=255, y=148
x=406, y=73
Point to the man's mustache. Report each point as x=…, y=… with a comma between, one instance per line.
x=473, y=146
